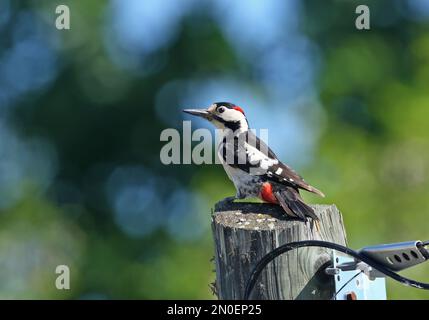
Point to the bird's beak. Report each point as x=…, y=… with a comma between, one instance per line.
x=203, y=113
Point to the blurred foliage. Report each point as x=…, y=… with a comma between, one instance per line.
x=81, y=112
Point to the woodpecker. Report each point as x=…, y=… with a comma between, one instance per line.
x=252, y=166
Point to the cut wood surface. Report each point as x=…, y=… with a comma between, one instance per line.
x=245, y=232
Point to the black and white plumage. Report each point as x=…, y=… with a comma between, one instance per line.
x=252, y=166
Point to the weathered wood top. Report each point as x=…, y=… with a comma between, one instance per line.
x=264, y=216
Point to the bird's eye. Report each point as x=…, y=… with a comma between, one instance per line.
x=221, y=109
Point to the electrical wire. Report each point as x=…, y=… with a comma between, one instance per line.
x=329, y=245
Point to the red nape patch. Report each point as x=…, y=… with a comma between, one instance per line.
x=239, y=109
x=267, y=193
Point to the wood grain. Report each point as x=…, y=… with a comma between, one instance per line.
x=245, y=232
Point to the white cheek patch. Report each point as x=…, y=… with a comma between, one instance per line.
x=232, y=115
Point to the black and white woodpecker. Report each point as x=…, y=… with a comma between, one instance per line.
x=252, y=166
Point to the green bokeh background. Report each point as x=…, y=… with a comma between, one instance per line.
x=82, y=111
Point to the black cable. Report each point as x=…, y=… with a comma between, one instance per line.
x=344, y=285
x=316, y=243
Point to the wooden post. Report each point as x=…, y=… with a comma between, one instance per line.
x=245, y=232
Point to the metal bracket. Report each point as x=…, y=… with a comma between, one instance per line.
x=367, y=285
x=397, y=256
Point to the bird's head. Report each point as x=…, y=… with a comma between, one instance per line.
x=224, y=115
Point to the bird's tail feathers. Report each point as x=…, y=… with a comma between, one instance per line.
x=292, y=203
x=316, y=191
